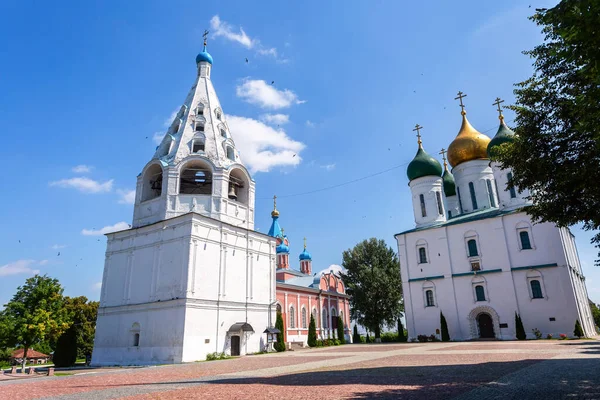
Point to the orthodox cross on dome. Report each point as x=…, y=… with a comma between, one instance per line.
x=460, y=96
x=497, y=103
x=443, y=153
x=274, y=202
x=282, y=232
x=418, y=129
x=304, y=243
x=205, y=35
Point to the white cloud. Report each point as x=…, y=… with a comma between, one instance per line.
x=262, y=147
x=84, y=185
x=336, y=269
x=222, y=28
x=119, y=226
x=275, y=119
x=82, y=169
x=328, y=167
x=158, y=137
x=310, y=124
x=42, y=263
x=258, y=92
x=58, y=246
x=268, y=52
x=127, y=196
x=19, y=267
x=170, y=119
x=97, y=286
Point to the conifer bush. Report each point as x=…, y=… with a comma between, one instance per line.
x=521, y=335
x=280, y=344
x=312, y=333
x=355, y=335
x=578, y=330
x=444, y=328
x=401, y=335
x=340, y=331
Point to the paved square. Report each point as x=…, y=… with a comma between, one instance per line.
x=471, y=370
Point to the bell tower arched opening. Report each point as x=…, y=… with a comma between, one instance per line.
x=195, y=178
x=152, y=182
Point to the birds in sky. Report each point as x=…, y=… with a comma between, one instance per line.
x=246, y=60
x=293, y=156
x=272, y=82
x=58, y=255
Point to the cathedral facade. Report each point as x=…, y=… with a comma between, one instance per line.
x=191, y=276
x=477, y=257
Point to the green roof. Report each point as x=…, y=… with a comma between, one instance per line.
x=423, y=165
x=463, y=218
x=448, y=183
x=504, y=135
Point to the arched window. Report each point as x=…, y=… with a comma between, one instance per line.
x=200, y=109
x=223, y=133
x=230, y=153
x=439, y=203
x=513, y=193
x=136, y=339
x=218, y=114
x=199, y=126
x=324, y=315
x=314, y=315
x=536, y=289
x=198, y=144
x=472, y=245
x=525, y=242
x=303, y=318
x=423, y=209
x=239, y=185
x=422, y=255
x=135, y=333
x=480, y=293
x=491, y=193
x=292, y=317
x=429, y=298
x=473, y=197
x=459, y=200
x=195, y=178
x=152, y=186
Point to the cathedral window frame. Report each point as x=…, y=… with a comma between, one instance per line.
x=480, y=281
x=491, y=194
x=473, y=196
x=199, y=126
x=474, y=259
x=135, y=334
x=325, y=318
x=200, y=110
x=535, y=275
x=512, y=190
x=230, y=153
x=422, y=244
x=219, y=114
x=292, y=317
x=423, y=206
x=315, y=315
x=198, y=140
x=440, y=203
x=524, y=227
x=429, y=300
x=304, y=324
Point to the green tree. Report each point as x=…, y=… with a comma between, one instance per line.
x=65, y=354
x=82, y=314
x=401, y=335
x=595, y=313
x=340, y=330
x=355, y=335
x=578, y=331
x=372, y=280
x=35, y=313
x=280, y=344
x=312, y=332
x=556, y=152
x=444, y=328
x=521, y=335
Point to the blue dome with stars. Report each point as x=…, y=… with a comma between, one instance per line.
x=204, y=56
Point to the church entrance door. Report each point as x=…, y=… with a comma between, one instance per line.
x=235, y=345
x=486, y=326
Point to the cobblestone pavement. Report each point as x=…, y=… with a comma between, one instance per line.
x=471, y=370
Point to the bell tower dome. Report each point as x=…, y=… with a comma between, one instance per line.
x=196, y=167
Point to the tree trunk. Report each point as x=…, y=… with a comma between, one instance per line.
x=25, y=349
x=377, y=332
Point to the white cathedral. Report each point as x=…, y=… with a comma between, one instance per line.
x=476, y=256
x=191, y=276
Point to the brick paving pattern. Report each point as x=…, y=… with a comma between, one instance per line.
x=470, y=370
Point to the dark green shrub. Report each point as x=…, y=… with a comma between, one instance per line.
x=312, y=333
x=355, y=336
x=521, y=335
x=444, y=328
x=340, y=331
x=65, y=354
x=280, y=344
x=578, y=331
x=401, y=335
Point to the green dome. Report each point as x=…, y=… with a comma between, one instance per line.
x=423, y=165
x=448, y=183
x=504, y=135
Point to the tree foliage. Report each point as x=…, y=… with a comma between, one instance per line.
x=521, y=335
x=65, y=354
x=355, y=335
x=312, y=332
x=340, y=330
x=372, y=280
x=595, y=313
x=556, y=152
x=35, y=313
x=578, y=330
x=444, y=328
x=280, y=344
x=401, y=336
x=82, y=314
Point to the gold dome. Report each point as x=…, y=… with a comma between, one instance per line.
x=468, y=145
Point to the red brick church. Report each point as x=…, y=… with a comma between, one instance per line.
x=300, y=293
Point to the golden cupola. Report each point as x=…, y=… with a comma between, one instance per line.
x=469, y=144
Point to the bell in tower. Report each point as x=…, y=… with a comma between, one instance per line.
x=232, y=191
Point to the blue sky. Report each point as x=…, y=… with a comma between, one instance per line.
x=91, y=84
